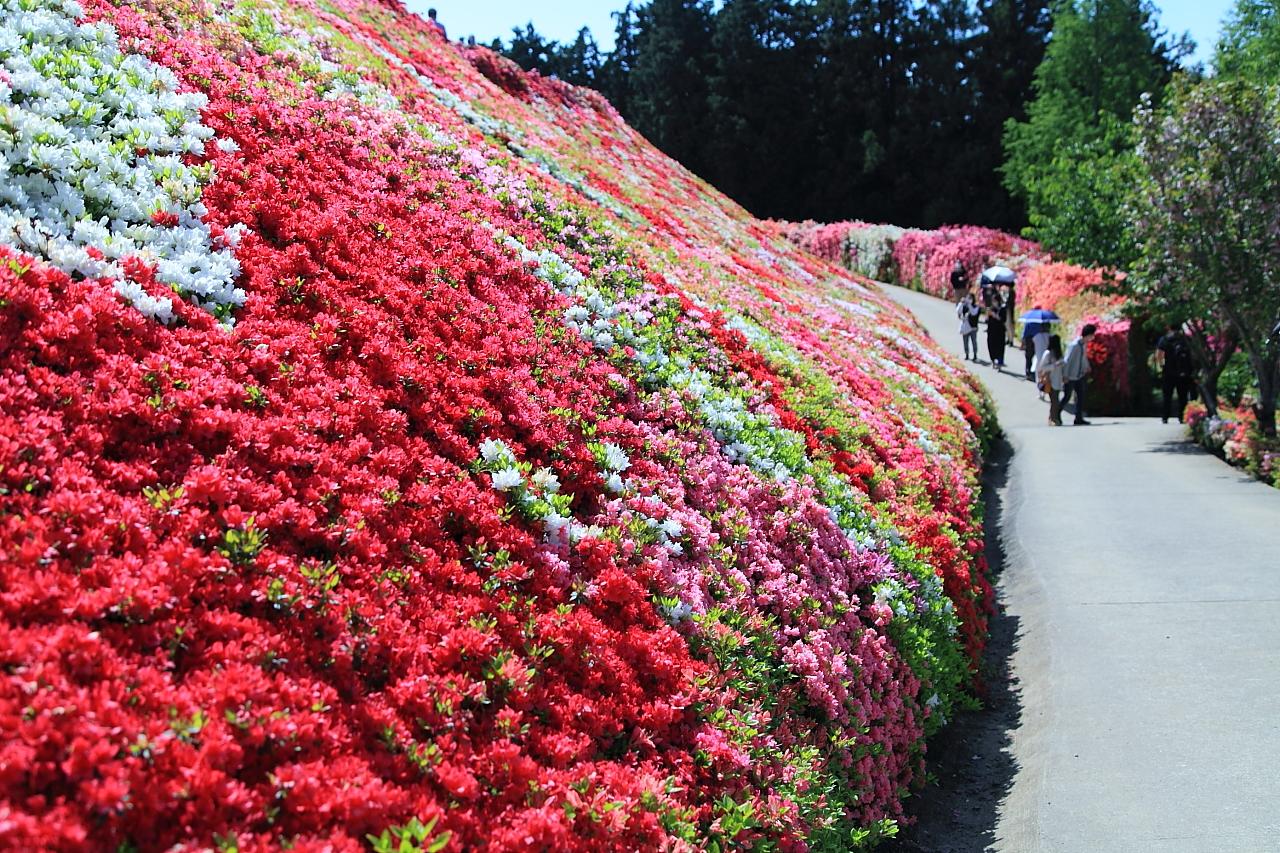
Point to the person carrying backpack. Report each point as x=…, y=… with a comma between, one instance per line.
x=1177, y=367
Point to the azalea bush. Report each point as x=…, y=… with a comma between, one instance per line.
x=396, y=449
x=864, y=248
x=924, y=259
x=1234, y=436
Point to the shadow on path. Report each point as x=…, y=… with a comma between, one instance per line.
x=1181, y=447
x=970, y=762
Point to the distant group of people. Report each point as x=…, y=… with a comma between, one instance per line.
x=997, y=307
x=1060, y=376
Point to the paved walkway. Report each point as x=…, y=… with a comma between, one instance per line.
x=1144, y=576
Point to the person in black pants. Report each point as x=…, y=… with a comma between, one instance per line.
x=1177, y=368
x=996, y=322
x=959, y=282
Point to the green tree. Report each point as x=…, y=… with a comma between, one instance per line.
x=668, y=97
x=1250, y=44
x=935, y=156
x=1206, y=213
x=761, y=101
x=530, y=50
x=1102, y=57
x=578, y=62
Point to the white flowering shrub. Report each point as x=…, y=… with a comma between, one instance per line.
x=92, y=142
x=871, y=247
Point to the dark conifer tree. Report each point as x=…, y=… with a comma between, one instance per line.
x=669, y=95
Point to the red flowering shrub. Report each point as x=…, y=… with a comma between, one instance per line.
x=425, y=461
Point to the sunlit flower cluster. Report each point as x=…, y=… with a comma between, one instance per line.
x=95, y=168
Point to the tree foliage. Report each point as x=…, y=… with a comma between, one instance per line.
x=1250, y=44
x=1069, y=158
x=1206, y=214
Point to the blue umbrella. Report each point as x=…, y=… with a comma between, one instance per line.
x=1039, y=315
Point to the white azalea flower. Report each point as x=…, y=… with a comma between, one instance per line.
x=492, y=449
x=615, y=458
x=507, y=479
x=546, y=480
x=60, y=158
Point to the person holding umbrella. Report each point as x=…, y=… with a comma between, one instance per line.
x=986, y=289
x=1002, y=276
x=1035, y=336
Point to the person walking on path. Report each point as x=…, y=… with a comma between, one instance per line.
x=1041, y=338
x=1050, y=371
x=988, y=290
x=1173, y=353
x=969, y=312
x=1075, y=371
x=1029, y=331
x=1011, y=306
x=959, y=282
x=997, y=322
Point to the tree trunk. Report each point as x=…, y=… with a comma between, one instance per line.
x=1211, y=364
x=1268, y=389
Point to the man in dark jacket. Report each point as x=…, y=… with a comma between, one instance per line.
x=431, y=15
x=959, y=282
x=1173, y=353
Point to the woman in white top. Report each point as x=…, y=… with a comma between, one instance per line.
x=1050, y=377
x=969, y=311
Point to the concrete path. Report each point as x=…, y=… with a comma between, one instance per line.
x=1144, y=577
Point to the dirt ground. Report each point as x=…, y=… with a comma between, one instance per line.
x=970, y=763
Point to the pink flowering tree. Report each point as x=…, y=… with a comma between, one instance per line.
x=1207, y=215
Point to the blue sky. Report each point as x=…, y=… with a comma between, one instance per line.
x=560, y=20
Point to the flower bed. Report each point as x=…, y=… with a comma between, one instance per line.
x=1234, y=436
x=924, y=260
x=395, y=445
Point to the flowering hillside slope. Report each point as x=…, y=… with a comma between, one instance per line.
x=398, y=452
